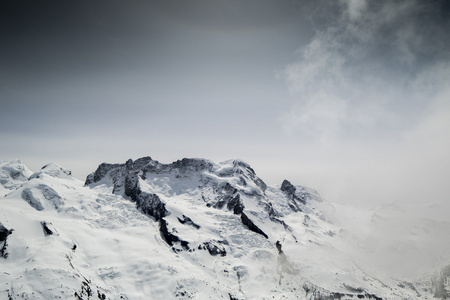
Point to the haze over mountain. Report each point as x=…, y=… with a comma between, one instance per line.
x=353, y=93
x=196, y=229
x=349, y=98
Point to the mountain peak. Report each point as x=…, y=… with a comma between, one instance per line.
x=190, y=229
x=13, y=174
x=53, y=170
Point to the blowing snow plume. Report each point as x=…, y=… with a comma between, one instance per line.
x=370, y=96
x=367, y=65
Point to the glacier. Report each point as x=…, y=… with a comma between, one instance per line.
x=191, y=229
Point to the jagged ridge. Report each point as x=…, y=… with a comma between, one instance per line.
x=222, y=220
x=127, y=179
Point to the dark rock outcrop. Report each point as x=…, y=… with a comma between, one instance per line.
x=314, y=292
x=87, y=291
x=4, y=233
x=192, y=165
x=187, y=221
x=235, y=204
x=278, y=245
x=144, y=166
x=150, y=204
x=284, y=266
x=229, y=196
x=250, y=225
x=214, y=247
x=288, y=187
x=296, y=198
x=232, y=297
x=238, y=170
x=101, y=172
x=125, y=179
x=48, y=228
x=171, y=238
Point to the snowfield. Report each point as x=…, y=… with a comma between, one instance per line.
x=195, y=229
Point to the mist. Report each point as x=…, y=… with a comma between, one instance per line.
x=370, y=101
x=370, y=92
x=348, y=97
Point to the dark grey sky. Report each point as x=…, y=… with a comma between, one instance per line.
x=332, y=94
x=111, y=64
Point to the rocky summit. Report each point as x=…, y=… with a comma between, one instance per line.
x=191, y=229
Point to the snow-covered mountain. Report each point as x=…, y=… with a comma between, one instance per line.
x=192, y=229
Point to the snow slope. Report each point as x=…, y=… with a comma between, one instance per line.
x=192, y=229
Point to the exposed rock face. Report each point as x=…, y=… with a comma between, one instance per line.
x=41, y=195
x=231, y=187
x=317, y=293
x=143, y=166
x=48, y=228
x=214, y=247
x=290, y=190
x=127, y=180
x=101, y=172
x=230, y=197
x=284, y=266
x=187, y=165
x=299, y=193
x=224, y=186
x=192, y=229
x=149, y=204
x=279, y=246
x=247, y=222
x=171, y=238
x=188, y=221
x=4, y=233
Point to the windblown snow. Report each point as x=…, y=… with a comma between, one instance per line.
x=196, y=229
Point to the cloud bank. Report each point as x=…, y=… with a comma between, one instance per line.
x=375, y=64
x=371, y=88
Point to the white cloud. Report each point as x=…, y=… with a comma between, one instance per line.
x=370, y=104
x=355, y=8
x=370, y=58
